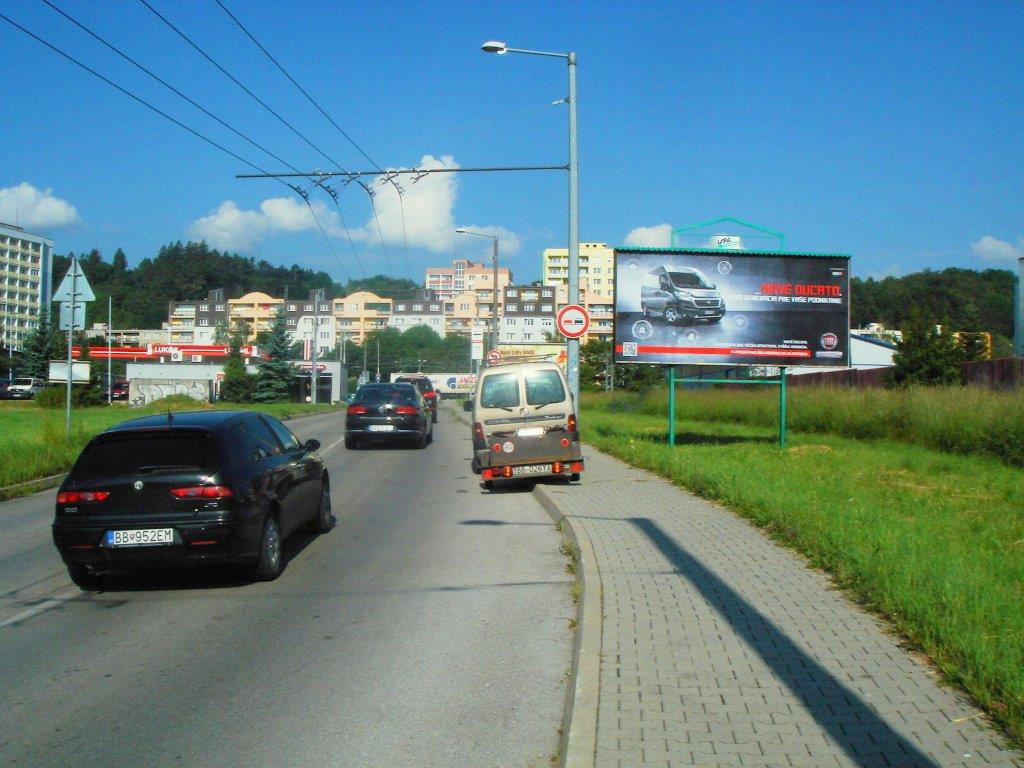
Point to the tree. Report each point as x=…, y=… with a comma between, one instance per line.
x=595, y=367
x=926, y=355
x=36, y=353
x=238, y=384
x=274, y=379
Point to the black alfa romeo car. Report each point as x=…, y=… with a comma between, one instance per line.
x=190, y=488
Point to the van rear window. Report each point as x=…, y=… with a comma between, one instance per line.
x=543, y=387
x=500, y=390
x=140, y=452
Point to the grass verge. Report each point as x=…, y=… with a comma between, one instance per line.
x=36, y=444
x=933, y=541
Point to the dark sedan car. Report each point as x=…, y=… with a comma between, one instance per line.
x=388, y=412
x=426, y=388
x=190, y=488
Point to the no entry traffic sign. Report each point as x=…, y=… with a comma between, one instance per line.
x=573, y=321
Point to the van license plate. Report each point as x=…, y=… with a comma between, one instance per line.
x=531, y=469
x=710, y=312
x=529, y=431
x=139, y=538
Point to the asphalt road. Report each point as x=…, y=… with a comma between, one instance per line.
x=429, y=628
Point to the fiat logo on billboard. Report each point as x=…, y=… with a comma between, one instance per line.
x=829, y=341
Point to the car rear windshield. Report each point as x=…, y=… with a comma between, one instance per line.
x=423, y=385
x=386, y=392
x=543, y=387
x=500, y=390
x=122, y=453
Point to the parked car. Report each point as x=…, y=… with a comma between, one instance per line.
x=524, y=424
x=681, y=293
x=186, y=489
x=25, y=388
x=426, y=388
x=388, y=412
x=119, y=390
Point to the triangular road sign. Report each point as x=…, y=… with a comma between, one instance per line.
x=83, y=291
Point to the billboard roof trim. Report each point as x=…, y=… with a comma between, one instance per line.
x=750, y=251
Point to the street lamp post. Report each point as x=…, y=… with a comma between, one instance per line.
x=573, y=346
x=494, y=312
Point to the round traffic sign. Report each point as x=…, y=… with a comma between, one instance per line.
x=573, y=321
x=494, y=357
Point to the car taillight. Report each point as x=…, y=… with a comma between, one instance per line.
x=506, y=471
x=202, y=492
x=430, y=395
x=478, y=431
x=81, y=497
x=355, y=410
x=557, y=467
x=406, y=410
x=577, y=466
x=572, y=422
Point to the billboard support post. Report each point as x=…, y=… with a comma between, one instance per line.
x=671, y=405
x=782, y=407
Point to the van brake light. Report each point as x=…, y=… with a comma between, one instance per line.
x=572, y=422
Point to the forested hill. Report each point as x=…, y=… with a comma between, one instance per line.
x=962, y=299
x=181, y=272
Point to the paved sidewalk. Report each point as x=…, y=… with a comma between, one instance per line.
x=718, y=647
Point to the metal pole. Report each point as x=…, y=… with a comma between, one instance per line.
x=671, y=405
x=573, y=349
x=316, y=331
x=781, y=408
x=494, y=314
x=378, y=357
x=71, y=331
x=1018, y=311
x=110, y=329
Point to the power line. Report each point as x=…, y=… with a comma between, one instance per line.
x=293, y=81
x=163, y=114
x=267, y=107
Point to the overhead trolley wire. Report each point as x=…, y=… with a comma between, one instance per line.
x=163, y=114
x=293, y=81
x=263, y=104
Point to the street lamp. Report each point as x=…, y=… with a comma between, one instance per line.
x=573, y=347
x=494, y=313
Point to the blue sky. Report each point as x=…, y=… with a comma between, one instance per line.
x=890, y=131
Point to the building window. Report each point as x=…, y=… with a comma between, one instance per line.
x=415, y=308
x=325, y=307
x=529, y=307
x=202, y=308
x=399, y=307
x=464, y=307
x=547, y=308
x=435, y=307
x=307, y=308
x=291, y=321
x=527, y=321
x=510, y=321
x=203, y=321
x=292, y=307
x=511, y=293
x=218, y=307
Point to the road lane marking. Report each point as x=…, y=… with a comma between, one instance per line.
x=28, y=613
x=331, y=447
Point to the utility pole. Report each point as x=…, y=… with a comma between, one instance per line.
x=378, y=357
x=110, y=329
x=316, y=331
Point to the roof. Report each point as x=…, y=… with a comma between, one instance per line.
x=729, y=252
x=178, y=419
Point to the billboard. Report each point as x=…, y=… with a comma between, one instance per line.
x=696, y=306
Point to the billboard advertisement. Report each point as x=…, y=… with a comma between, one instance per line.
x=678, y=306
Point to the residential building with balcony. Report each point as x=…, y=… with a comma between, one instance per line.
x=597, y=268
x=306, y=321
x=257, y=310
x=196, y=322
x=360, y=313
x=427, y=308
x=528, y=314
x=26, y=274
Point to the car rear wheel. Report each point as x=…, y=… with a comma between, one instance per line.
x=268, y=565
x=324, y=520
x=84, y=578
x=421, y=441
x=351, y=442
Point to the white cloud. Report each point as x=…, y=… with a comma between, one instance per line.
x=231, y=227
x=993, y=249
x=26, y=206
x=428, y=205
x=659, y=235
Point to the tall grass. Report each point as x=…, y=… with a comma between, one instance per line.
x=964, y=420
x=932, y=541
x=35, y=442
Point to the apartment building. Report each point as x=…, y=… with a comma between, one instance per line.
x=426, y=308
x=464, y=275
x=257, y=310
x=528, y=316
x=312, y=319
x=196, y=322
x=26, y=267
x=360, y=313
x=597, y=268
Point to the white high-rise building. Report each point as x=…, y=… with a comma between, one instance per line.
x=26, y=264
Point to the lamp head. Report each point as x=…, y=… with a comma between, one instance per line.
x=461, y=230
x=494, y=46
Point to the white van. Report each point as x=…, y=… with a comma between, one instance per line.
x=524, y=424
x=25, y=389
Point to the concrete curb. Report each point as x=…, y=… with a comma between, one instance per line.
x=579, y=726
x=31, y=486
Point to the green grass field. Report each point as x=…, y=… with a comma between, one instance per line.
x=35, y=442
x=931, y=539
